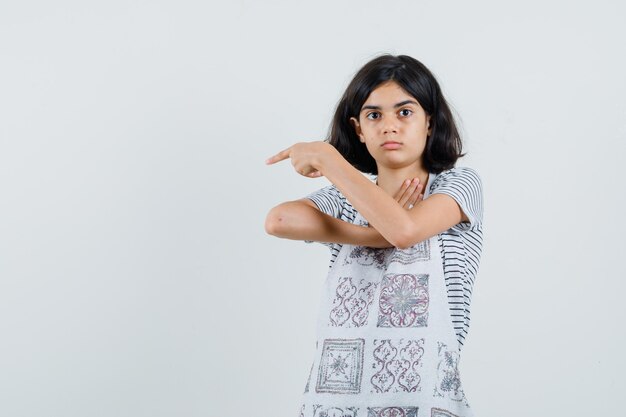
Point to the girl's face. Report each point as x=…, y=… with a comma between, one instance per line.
x=390, y=114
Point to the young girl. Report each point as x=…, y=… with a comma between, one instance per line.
x=395, y=307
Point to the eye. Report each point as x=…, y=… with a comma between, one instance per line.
x=369, y=114
x=408, y=110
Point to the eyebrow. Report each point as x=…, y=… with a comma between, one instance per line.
x=402, y=103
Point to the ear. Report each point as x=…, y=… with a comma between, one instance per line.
x=428, y=123
x=357, y=128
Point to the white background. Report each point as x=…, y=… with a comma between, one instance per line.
x=136, y=278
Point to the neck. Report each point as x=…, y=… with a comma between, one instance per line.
x=391, y=180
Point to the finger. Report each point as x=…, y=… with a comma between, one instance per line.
x=314, y=174
x=284, y=154
x=418, y=191
x=414, y=191
x=411, y=190
x=416, y=198
x=401, y=191
x=404, y=199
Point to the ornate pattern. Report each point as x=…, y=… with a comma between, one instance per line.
x=448, y=376
x=397, y=287
x=351, y=303
x=417, y=253
x=403, y=300
x=397, y=365
x=438, y=412
x=368, y=256
x=392, y=411
x=341, y=366
x=322, y=411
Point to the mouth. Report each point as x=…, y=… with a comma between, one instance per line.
x=390, y=144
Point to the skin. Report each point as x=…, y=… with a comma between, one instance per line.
x=407, y=124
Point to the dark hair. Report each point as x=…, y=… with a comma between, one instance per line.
x=443, y=146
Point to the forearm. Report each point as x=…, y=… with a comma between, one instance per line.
x=339, y=231
x=379, y=208
x=297, y=221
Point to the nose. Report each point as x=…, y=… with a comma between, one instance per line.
x=390, y=126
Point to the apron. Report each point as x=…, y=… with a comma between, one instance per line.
x=386, y=346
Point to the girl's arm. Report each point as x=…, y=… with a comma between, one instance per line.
x=302, y=220
x=400, y=227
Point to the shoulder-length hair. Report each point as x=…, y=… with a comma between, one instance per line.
x=443, y=145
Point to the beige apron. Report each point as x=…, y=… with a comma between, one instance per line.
x=385, y=345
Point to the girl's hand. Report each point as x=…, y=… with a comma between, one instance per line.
x=410, y=194
x=305, y=157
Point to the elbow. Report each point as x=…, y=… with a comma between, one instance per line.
x=274, y=222
x=270, y=227
x=407, y=239
x=401, y=244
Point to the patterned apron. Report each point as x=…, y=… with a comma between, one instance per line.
x=386, y=346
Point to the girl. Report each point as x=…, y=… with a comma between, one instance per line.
x=395, y=307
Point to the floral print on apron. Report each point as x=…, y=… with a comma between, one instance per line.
x=386, y=346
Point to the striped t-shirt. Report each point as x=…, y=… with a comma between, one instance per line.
x=461, y=245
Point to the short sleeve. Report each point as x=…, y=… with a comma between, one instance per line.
x=330, y=201
x=465, y=186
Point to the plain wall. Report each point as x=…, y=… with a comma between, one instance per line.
x=136, y=277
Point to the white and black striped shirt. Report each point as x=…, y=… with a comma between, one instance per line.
x=461, y=244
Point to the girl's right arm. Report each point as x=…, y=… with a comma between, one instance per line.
x=302, y=220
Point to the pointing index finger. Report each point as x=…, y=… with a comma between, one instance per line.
x=284, y=154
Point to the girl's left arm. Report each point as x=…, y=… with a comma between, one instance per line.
x=400, y=227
